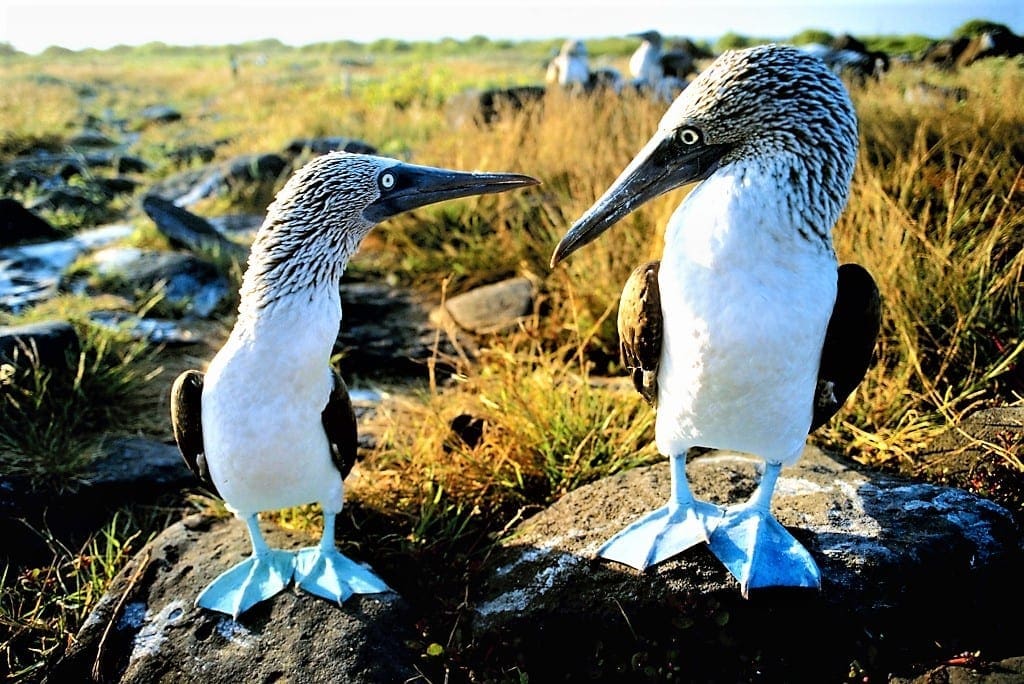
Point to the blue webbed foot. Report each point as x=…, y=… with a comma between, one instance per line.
x=255, y=579
x=670, y=530
x=661, y=534
x=756, y=549
x=324, y=571
x=759, y=552
x=327, y=573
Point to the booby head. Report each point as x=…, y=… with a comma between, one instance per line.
x=327, y=207
x=652, y=37
x=574, y=47
x=766, y=104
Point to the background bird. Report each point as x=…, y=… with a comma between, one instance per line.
x=645, y=63
x=738, y=335
x=569, y=68
x=270, y=424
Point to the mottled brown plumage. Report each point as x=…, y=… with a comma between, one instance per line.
x=339, y=420
x=187, y=423
x=640, y=329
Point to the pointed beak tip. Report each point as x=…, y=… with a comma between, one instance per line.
x=511, y=181
x=562, y=250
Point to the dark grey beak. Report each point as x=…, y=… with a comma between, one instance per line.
x=662, y=165
x=411, y=186
x=646, y=35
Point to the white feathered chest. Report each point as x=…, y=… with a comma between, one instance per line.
x=746, y=299
x=262, y=404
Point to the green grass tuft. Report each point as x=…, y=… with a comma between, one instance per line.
x=52, y=420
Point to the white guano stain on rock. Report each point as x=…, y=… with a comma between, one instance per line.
x=963, y=510
x=527, y=556
x=852, y=520
x=543, y=548
x=848, y=530
x=563, y=563
x=520, y=599
x=798, y=486
x=152, y=635
x=733, y=457
x=511, y=601
x=99, y=612
x=235, y=633
x=133, y=616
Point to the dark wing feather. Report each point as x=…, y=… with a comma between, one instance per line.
x=339, y=420
x=849, y=341
x=640, y=326
x=187, y=423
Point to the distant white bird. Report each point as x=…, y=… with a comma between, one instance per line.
x=738, y=335
x=270, y=425
x=570, y=67
x=645, y=62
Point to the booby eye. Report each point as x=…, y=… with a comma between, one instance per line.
x=688, y=135
x=387, y=180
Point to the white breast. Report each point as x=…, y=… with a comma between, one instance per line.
x=262, y=401
x=746, y=301
x=644, y=64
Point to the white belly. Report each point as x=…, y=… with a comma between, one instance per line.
x=743, y=331
x=262, y=401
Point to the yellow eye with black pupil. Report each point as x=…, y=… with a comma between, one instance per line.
x=688, y=136
x=387, y=181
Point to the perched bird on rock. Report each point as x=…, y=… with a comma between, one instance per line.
x=270, y=424
x=746, y=334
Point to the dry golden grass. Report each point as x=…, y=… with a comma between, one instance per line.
x=936, y=215
x=546, y=426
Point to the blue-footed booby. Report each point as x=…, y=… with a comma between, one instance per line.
x=645, y=62
x=569, y=68
x=270, y=424
x=737, y=335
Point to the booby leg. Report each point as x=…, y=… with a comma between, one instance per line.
x=265, y=573
x=756, y=549
x=326, y=572
x=671, y=529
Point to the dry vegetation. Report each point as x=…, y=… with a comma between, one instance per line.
x=935, y=214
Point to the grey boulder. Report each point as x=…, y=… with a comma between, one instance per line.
x=146, y=628
x=910, y=572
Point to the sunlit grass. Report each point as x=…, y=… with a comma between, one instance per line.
x=42, y=608
x=457, y=465
x=52, y=419
x=935, y=214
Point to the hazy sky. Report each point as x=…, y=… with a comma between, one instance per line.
x=33, y=25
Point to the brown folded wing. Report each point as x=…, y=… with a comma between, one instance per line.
x=640, y=329
x=339, y=421
x=187, y=423
x=849, y=341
